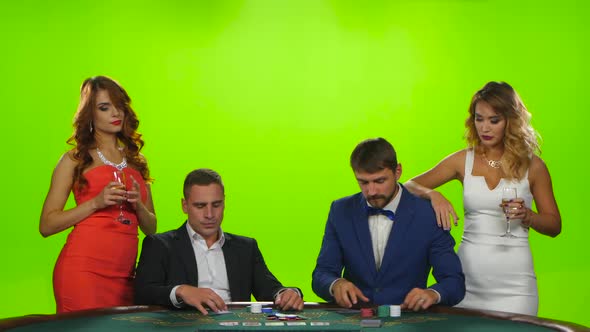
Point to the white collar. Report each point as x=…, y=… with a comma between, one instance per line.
x=197, y=237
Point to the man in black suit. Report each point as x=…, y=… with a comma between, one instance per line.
x=199, y=265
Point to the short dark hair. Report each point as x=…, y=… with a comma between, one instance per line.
x=201, y=177
x=373, y=155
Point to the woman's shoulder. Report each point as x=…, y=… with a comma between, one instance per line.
x=457, y=158
x=68, y=159
x=461, y=153
x=65, y=165
x=537, y=171
x=537, y=167
x=70, y=154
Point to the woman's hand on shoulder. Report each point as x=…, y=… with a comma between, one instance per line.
x=423, y=185
x=444, y=210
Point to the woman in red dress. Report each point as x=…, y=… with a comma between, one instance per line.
x=96, y=265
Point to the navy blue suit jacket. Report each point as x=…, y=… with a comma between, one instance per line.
x=415, y=245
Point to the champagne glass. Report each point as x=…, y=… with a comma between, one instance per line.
x=119, y=177
x=508, y=195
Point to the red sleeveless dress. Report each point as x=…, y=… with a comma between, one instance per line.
x=96, y=266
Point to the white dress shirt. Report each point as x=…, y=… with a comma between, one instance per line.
x=380, y=228
x=210, y=266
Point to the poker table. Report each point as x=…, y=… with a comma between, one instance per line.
x=315, y=317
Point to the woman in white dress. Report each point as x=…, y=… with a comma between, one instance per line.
x=499, y=273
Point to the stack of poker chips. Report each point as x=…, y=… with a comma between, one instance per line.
x=367, y=312
x=267, y=310
x=395, y=311
x=383, y=311
x=256, y=308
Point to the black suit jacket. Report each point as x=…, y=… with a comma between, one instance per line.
x=168, y=260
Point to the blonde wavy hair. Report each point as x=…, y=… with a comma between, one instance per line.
x=521, y=141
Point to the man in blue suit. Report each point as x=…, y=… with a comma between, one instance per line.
x=386, y=240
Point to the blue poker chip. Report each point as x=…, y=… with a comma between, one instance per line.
x=267, y=310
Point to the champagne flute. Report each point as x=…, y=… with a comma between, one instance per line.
x=119, y=177
x=508, y=195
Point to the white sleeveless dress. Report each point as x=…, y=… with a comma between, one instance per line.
x=499, y=273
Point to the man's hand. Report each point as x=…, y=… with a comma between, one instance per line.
x=346, y=293
x=289, y=299
x=200, y=297
x=419, y=299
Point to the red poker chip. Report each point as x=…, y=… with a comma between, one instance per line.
x=366, y=312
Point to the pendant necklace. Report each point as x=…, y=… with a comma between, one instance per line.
x=492, y=163
x=105, y=161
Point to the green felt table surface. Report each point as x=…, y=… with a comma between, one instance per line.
x=338, y=319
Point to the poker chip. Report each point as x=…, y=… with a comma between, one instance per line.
x=395, y=311
x=256, y=308
x=383, y=311
x=366, y=312
x=267, y=310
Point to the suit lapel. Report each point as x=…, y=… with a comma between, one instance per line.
x=187, y=254
x=232, y=265
x=397, y=238
x=360, y=222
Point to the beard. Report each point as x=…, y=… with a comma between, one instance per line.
x=379, y=201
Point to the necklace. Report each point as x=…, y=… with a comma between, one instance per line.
x=492, y=163
x=105, y=161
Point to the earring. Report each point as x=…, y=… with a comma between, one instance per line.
x=91, y=129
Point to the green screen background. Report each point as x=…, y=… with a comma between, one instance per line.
x=275, y=95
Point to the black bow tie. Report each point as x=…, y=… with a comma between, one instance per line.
x=373, y=211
